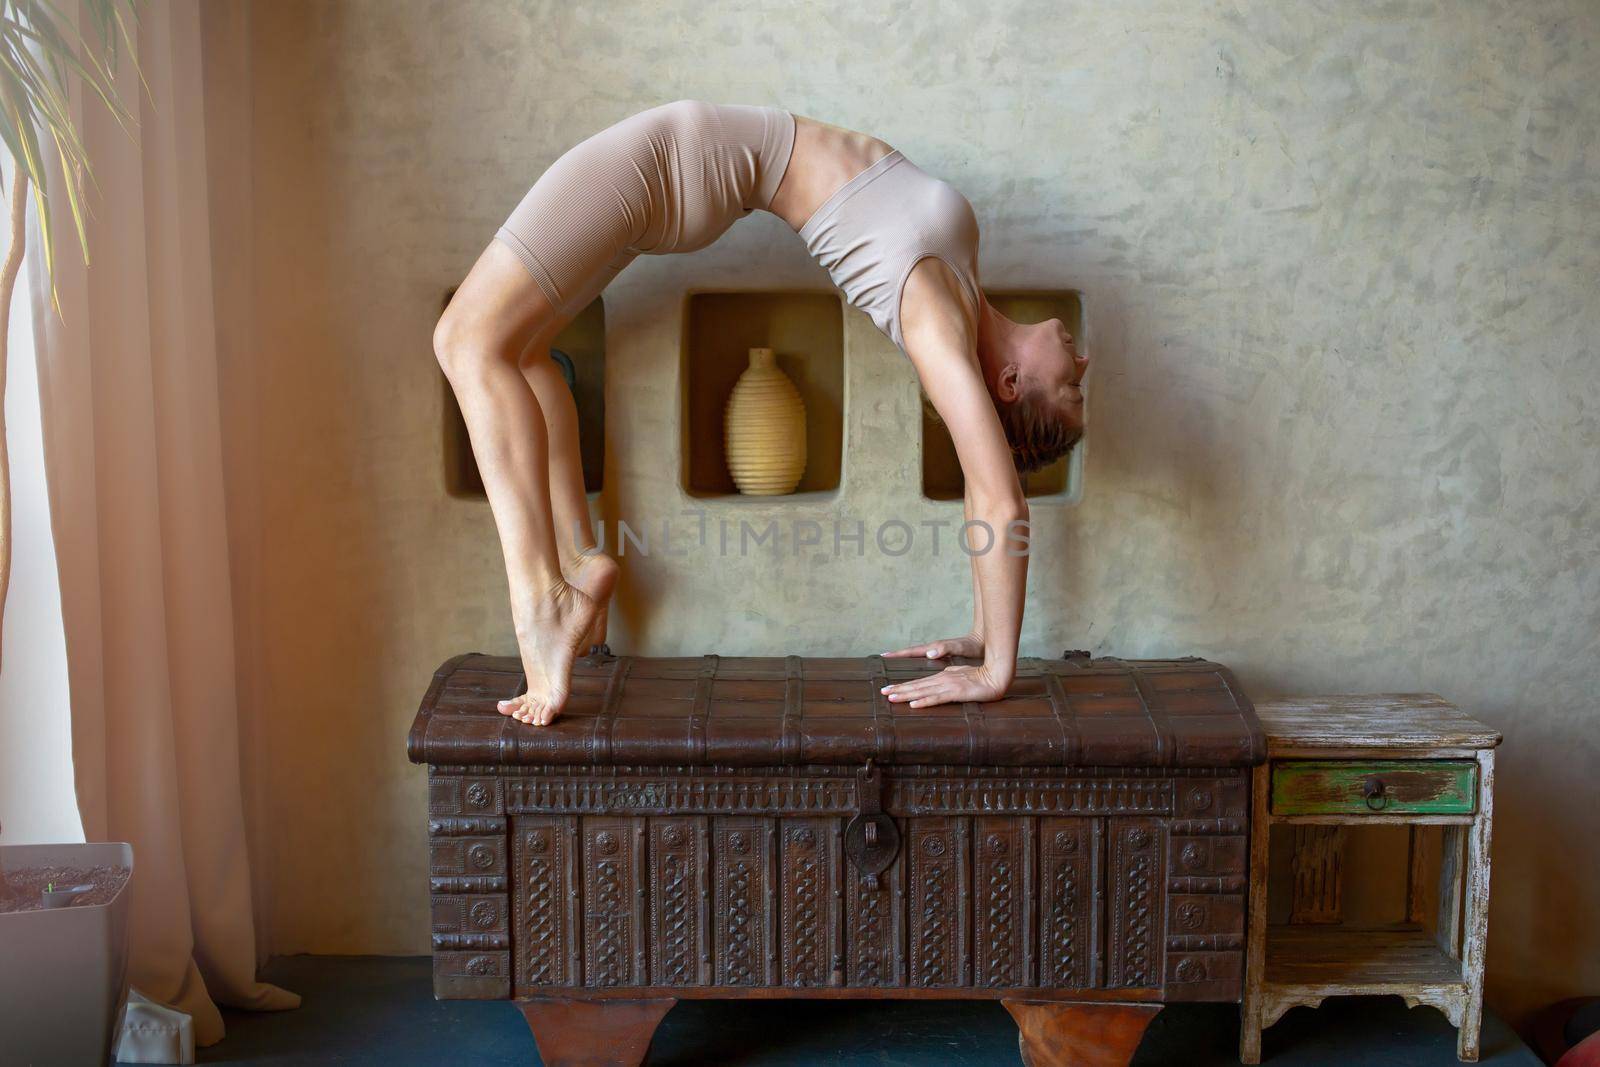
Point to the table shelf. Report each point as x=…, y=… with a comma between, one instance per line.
x=1380, y=960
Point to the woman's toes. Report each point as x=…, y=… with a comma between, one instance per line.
x=520, y=708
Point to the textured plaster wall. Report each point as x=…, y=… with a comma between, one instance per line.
x=1338, y=263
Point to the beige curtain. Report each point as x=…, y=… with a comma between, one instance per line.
x=133, y=451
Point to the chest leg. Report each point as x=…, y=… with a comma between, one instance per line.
x=1068, y=1034
x=593, y=1033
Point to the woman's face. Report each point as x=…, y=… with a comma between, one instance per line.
x=1049, y=365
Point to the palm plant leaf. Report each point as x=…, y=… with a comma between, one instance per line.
x=42, y=53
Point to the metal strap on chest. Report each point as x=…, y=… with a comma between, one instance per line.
x=977, y=732
x=701, y=709
x=1160, y=727
x=883, y=738
x=600, y=742
x=1066, y=718
x=793, y=709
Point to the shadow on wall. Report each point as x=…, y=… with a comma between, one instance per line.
x=1534, y=882
x=1141, y=442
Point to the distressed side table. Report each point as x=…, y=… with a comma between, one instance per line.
x=1409, y=759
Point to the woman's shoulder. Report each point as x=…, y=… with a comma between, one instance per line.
x=937, y=302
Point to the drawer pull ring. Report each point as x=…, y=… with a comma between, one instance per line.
x=1372, y=789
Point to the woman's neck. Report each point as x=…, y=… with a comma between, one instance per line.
x=994, y=342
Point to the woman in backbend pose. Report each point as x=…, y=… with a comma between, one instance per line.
x=901, y=245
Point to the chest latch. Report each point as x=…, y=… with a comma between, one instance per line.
x=871, y=839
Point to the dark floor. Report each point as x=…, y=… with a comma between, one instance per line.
x=370, y=1010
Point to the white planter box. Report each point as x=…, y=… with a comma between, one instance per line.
x=64, y=973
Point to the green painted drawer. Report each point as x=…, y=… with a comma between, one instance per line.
x=1374, y=787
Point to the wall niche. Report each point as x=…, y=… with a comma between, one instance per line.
x=806, y=331
x=1061, y=480
x=583, y=342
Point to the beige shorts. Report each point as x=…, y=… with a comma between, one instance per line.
x=670, y=179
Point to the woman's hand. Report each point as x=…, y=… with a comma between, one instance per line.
x=953, y=685
x=966, y=645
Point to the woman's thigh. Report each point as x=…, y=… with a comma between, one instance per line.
x=575, y=228
x=571, y=234
x=500, y=306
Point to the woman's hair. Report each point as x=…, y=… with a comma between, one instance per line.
x=1036, y=432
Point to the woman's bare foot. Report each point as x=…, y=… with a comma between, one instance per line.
x=549, y=633
x=595, y=573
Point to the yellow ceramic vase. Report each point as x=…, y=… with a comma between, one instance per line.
x=765, y=429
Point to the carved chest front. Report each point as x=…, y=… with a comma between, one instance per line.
x=723, y=827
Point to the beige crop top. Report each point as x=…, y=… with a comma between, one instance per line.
x=879, y=224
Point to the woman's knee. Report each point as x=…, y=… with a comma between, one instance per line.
x=462, y=344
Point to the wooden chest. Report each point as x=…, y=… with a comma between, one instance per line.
x=721, y=827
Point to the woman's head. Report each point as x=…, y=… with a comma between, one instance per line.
x=1036, y=379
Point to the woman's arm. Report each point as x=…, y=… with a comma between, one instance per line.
x=969, y=644
x=943, y=350
x=977, y=585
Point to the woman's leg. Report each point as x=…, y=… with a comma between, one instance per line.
x=495, y=315
x=583, y=565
